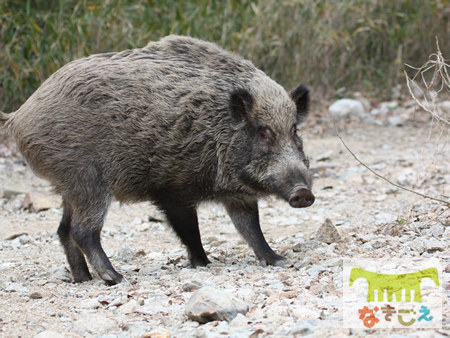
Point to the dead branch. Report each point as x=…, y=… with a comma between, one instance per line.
x=384, y=178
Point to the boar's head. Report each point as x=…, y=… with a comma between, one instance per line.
x=268, y=151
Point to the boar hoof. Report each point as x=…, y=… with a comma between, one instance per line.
x=301, y=199
x=275, y=260
x=81, y=279
x=111, y=277
x=196, y=262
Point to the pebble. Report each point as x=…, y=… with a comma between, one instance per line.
x=239, y=321
x=416, y=245
x=328, y=233
x=385, y=218
x=35, y=295
x=129, y=307
x=191, y=286
x=432, y=245
x=437, y=230
x=90, y=304
x=209, y=304
x=94, y=323
x=16, y=287
x=395, y=121
x=126, y=254
x=347, y=109
x=315, y=270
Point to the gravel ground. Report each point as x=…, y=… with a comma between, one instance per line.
x=373, y=218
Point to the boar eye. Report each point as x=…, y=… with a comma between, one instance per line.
x=307, y=162
x=265, y=135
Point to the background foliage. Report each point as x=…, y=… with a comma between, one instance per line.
x=357, y=44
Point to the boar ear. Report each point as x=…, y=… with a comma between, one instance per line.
x=241, y=103
x=300, y=96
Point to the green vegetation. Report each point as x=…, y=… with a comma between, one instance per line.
x=359, y=44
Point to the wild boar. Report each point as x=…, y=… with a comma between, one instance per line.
x=178, y=122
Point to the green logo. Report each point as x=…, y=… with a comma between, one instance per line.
x=394, y=283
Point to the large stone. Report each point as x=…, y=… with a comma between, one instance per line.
x=347, y=109
x=328, y=233
x=208, y=304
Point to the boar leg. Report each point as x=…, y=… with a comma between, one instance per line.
x=246, y=220
x=183, y=220
x=75, y=257
x=87, y=223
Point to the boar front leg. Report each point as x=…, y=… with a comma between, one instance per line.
x=183, y=219
x=245, y=218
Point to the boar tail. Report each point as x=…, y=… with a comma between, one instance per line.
x=3, y=118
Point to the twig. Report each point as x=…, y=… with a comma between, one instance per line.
x=438, y=62
x=384, y=178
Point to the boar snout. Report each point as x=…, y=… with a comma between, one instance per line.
x=301, y=198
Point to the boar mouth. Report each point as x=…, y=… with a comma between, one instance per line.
x=301, y=198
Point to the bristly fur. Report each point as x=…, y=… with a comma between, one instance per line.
x=177, y=123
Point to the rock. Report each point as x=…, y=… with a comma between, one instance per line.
x=36, y=201
x=416, y=245
x=395, y=121
x=437, y=230
x=126, y=253
x=94, y=323
x=315, y=270
x=286, y=294
x=15, y=287
x=385, y=218
x=61, y=273
x=118, y=301
x=191, y=286
x=328, y=233
x=239, y=321
x=129, y=307
x=208, y=304
x=407, y=177
x=90, y=304
x=347, y=109
x=432, y=245
x=301, y=329
x=35, y=295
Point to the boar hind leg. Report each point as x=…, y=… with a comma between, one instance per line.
x=183, y=219
x=75, y=257
x=246, y=220
x=87, y=223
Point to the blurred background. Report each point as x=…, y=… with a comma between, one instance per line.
x=336, y=47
